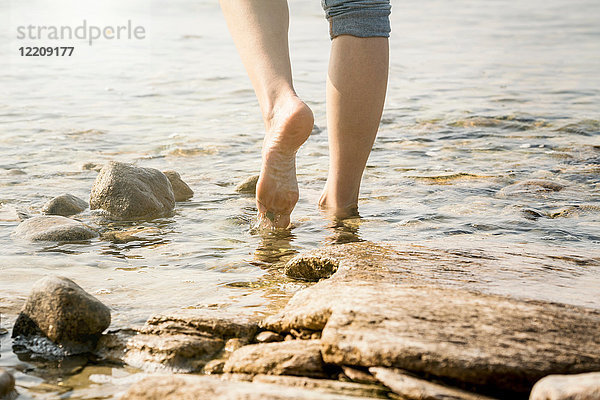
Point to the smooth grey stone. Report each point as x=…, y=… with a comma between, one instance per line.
x=128, y=192
x=54, y=228
x=65, y=205
x=181, y=190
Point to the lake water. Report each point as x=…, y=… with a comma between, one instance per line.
x=481, y=96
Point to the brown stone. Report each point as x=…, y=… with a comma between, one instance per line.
x=65, y=205
x=183, y=387
x=295, y=357
x=567, y=387
x=411, y=388
x=54, y=228
x=181, y=190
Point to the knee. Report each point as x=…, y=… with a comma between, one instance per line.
x=362, y=18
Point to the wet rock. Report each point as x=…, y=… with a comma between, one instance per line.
x=125, y=192
x=65, y=205
x=411, y=388
x=531, y=187
x=214, y=367
x=576, y=211
x=268, y=337
x=57, y=308
x=181, y=190
x=381, y=309
x=175, y=353
x=91, y=166
x=248, y=186
x=215, y=323
x=326, y=386
x=310, y=268
x=295, y=357
x=54, y=228
x=184, y=342
x=568, y=387
x=182, y=387
x=131, y=235
x=7, y=386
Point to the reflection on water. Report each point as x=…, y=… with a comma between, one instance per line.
x=480, y=98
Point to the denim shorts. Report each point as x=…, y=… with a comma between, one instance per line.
x=362, y=18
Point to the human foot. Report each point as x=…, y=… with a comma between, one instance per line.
x=288, y=127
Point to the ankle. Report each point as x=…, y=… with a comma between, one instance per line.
x=337, y=207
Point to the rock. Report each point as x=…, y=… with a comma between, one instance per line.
x=184, y=342
x=531, y=187
x=309, y=268
x=385, y=307
x=54, y=228
x=7, y=386
x=411, y=388
x=326, y=386
x=65, y=205
x=132, y=235
x=356, y=375
x=127, y=192
x=295, y=357
x=248, y=186
x=234, y=344
x=268, y=337
x=60, y=310
x=91, y=166
x=173, y=353
x=186, y=387
x=567, y=387
x=214, y=367
x=181, y=190
x=215, y=323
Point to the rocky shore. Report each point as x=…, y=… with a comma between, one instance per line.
x=375, y=325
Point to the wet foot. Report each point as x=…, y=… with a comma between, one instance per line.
x=337, y=210
x=277, y=188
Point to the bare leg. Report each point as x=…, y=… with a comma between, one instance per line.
x=260, y=31
x=356, y=87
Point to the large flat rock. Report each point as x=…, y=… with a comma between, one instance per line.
x=177, y=387
x=388, y=307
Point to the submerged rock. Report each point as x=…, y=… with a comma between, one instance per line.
x=248, y=186
x=381, y=309
x=411, y=388
x=54, y=228
x=125, y=191
x=294, y=357
x=181, y=190
x=568, y=387
x=65, y=205
x=186, y=387
x=57, y=308
x=7, y=386
x=531, y=187
x=131, y=235
x=310, y=268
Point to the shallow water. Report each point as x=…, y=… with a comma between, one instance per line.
x=480, y=97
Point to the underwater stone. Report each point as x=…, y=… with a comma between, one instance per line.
x=181, y=190
x=62, y=311
x=7, y=386
x=309, y=268
x=248, y=186
x=54, y=228
x=65, y=205
x=126, y=192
